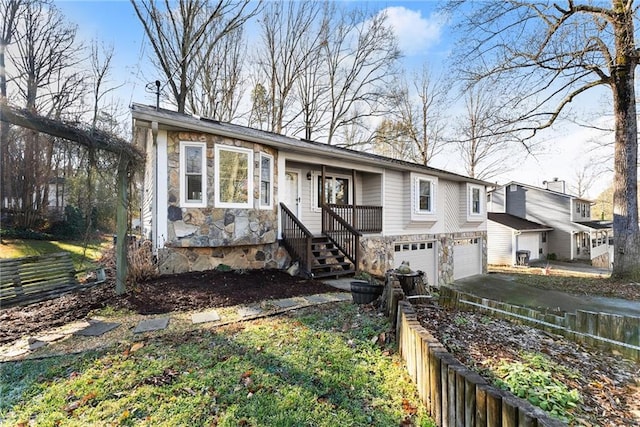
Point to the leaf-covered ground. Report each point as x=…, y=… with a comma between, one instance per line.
x=607, y=384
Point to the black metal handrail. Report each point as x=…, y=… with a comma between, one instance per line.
x=342, y=234
x=365, y=219
x=296, y=238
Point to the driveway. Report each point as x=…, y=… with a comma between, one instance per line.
x=503, y=287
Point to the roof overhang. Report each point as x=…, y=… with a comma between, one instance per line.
x=144, y=117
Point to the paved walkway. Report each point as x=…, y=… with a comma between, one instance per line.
x=502, y=287
x=140, y=325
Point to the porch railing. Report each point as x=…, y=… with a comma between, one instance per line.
x=342, y=234
x=296, y=238
x=365, y=219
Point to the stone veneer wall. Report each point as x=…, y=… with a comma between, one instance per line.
x=202, y=238
x=377, y=252
x=182, y=260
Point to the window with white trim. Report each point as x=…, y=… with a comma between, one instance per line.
x=423, y=197
x=475, y=201
x=474, y=196
x=266, y=181
x=233, y=177
x=193, y=174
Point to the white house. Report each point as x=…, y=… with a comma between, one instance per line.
x=218, y=193
x=572, y=235
x=515, y=241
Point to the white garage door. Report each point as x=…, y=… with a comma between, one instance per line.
x=467, y=258
x=421, y=256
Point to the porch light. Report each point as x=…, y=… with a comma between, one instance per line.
x=309, y=176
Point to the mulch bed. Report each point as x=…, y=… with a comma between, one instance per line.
x=165, y=294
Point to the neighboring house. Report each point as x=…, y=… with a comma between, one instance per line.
x=515, y=241
x=573, y=235
x=57, y=197
x=217, y=193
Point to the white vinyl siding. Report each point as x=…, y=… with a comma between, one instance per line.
x=371, y=187
x=499, y=244
x=453, y=206
x=396, y=203
x=148, y=189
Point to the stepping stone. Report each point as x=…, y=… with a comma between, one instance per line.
x=15, y=353
x=319, y=298
x=96, y=328
x=51, y=337
x=73, y=327
x=35, y=344
x=285, y=303
x=342, y=297
x=249, y=311
x=205, y=316
x=149, y=325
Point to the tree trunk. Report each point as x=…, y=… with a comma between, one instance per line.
x=625, y=199
x=122, y=240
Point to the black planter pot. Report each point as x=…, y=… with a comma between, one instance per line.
x=364, y=292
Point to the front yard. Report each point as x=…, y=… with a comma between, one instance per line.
x=324, y=366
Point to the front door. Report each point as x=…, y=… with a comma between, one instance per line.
x=292, y=191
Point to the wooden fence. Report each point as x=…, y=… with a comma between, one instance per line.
x=453, y=394
x=604, y=330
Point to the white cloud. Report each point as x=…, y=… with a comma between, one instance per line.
x=416, y=34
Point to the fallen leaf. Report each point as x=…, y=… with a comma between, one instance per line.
x=135, y=347
x=408, y=407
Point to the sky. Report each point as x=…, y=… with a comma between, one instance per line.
x=423, y=36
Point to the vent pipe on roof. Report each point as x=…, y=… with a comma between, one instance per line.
x=157, y=95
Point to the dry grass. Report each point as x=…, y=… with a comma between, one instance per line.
x=142, y=265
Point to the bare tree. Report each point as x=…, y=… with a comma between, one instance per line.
x=361, y=55
x=47, y=80
x=312, y=86
x=547, y=55
x=485, y=149
x=9, y=10
x=420, y=126
x=216, y=93
x=181, y=34
x=289, y=42
x=585, y=177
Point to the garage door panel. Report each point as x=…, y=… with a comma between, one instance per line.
x=420, y=255
x=467, y=257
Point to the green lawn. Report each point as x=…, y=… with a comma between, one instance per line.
x=16, y=248
x=318, y=366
